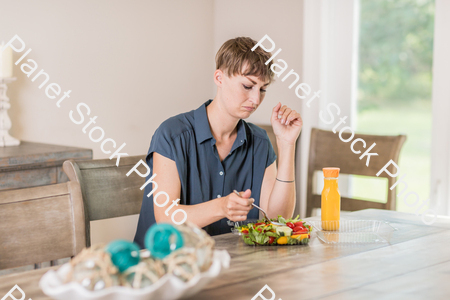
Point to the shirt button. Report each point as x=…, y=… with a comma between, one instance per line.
x=242, y=141
x=221, y=173
x=218, y=196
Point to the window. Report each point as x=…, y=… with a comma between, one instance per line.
x=395, y=85
x=382, y=62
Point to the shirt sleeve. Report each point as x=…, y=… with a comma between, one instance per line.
x=162, y=142
x=169, y=142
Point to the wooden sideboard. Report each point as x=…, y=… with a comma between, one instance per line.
x=35, y=164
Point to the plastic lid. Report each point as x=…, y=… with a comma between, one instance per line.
x=331, y=172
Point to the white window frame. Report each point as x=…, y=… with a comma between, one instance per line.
x=440, y=140
x=330, y=54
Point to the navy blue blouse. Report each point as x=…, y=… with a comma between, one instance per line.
x=186, y=139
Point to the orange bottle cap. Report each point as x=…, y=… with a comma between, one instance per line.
x=331, y=172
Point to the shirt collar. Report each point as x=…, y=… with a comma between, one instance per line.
x=203, y=131
x=241, y=137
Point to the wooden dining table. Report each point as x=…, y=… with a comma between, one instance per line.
x=415, y=264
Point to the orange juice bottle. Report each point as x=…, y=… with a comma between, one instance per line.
x=331, y=200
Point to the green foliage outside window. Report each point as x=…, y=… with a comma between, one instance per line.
x=395, y=52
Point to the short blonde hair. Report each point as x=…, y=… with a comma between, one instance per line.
x=236, y=54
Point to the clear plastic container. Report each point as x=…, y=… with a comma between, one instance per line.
x=353, y=231
x=235, y=225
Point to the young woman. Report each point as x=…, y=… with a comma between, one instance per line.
x=201, y=156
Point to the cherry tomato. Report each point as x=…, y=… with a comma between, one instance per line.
x=290, y=225
x=299, y=224
x=271, y=240
x=244, y=231
x=298, y=230
x=262, y=223
x=259, y=229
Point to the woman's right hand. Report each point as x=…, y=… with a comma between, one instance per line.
x=236, y=208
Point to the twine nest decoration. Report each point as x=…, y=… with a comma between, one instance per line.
x=182, y=263
x=93, y=269
x=144, y=274
x=198, y=242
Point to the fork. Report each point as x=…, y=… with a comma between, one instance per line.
x=262, y=210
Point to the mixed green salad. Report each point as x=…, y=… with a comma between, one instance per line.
x=292, y=232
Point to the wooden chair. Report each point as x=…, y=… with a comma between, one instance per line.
x=107, y=191
x=327, y=150
x=272, y=137
x=41, y=224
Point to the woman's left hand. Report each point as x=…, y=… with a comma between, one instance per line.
x=286, y=123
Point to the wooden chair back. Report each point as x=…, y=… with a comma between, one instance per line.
x=328, y=150
x=107, y=191
x=272, y=137
x=41, y=224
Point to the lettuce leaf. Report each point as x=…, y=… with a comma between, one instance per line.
x=248, y=241
x=292, y=241
x=296, y=219
x=269, y=233
x=281, y=220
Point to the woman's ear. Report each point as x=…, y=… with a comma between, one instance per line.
x=218, y=77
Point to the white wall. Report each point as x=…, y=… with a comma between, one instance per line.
x=134, y=63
